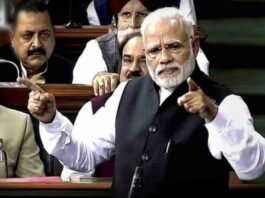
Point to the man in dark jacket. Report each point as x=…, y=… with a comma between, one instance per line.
x=175, y=131
x=32, y=46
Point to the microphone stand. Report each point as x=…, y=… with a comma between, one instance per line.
x=71, y=24
x=138, y=173
x=3, y=156
x=12, y=63
x=136, y=181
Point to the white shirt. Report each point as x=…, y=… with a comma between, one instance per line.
x=86, y=111
x=187, y=9
x=89, y=63
x=92, y=15
x=91, y=60
x=231, y=133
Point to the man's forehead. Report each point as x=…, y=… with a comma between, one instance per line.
x=134, y=6
x=30, y=15
x=25, y=19
x=134, y=43
x=165, y=28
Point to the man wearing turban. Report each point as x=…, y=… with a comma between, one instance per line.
x=100, y=61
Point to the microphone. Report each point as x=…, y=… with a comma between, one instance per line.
x=71, y=23
x=12, y=63
x=136, y=181
x=2, y=157
x=138, y=171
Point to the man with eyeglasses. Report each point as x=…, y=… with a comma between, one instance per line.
x=173, y=132
x=100, y=62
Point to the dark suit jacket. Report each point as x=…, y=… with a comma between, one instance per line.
x=60, y=70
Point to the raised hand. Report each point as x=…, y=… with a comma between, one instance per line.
x=41, y=104
x=105, y=82
x=197, y=102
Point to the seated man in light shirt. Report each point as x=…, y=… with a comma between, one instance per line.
x=175, y=127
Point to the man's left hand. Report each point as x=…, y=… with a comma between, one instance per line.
x=197, y=102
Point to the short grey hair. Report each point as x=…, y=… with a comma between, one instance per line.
x=170, y=14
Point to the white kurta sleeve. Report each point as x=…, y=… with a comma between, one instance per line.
x=90, y=141
x=232, y=134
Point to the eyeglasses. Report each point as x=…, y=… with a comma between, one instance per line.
x=174, y=48
x=127, y=16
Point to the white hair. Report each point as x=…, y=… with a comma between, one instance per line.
x=171, y=14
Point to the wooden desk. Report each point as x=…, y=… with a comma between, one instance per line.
x=86, y=32
x=68, y=96
x=71, y=42
x=4, y=37
x=53, y=186
x=238, y=187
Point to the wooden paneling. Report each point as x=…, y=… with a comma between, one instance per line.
x=86, y=32
x=4, y=37
x=53, y=186
x=71, y=42
x=68, y=96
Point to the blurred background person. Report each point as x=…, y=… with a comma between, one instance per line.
x=21, y=153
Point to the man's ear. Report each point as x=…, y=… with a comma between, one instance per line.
x=195, y=45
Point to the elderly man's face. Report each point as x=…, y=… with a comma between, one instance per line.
x=170, y=59
x=130, y=18
x=33, y=40
x=133, y=59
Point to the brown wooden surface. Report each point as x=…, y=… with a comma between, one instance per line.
x=53, y=183
x=52, y=187
x=4, y=37
x=86, y=32
x=68, y=96
x=236, y=184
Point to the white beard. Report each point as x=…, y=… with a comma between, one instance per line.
x=172, y=80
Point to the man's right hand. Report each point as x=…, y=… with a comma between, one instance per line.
x=105, y=82
x=41, y=104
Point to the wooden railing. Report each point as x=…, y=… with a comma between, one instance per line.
x=68, y=96
x=86, y=32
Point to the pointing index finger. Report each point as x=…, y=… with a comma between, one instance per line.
x=30, y=85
